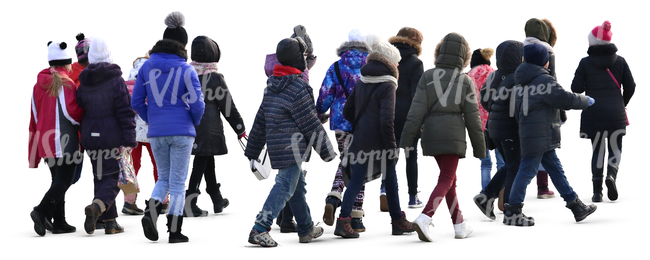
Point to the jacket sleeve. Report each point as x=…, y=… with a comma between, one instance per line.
x=419, y=107
x=327, y=91
x=303, y=113
x=562, y=99
x=73, y=112
x=257, y=136
x=627, y=82
x=387, y=116
x=473, y=121
x=227, y=106
x=578, y=83
x=197, y=103
x=138, y=98
x=349, y=109
x=32, y=149
x=125, y=114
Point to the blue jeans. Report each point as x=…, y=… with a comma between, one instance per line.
x=389, y=178
x=289, y=186
x=528, y=170
x=486, y=167
x=172, y=155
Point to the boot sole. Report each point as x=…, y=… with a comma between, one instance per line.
x=421, y=234
x=287, y=230
x=612, y=192
x=581, y=218
x=39, y=228
x=501, y=202
x=150, y=231
x=132, y=212
x=89, y=224
x=383, y=203
x=545, y=196
x=113, y=231
x=178, y=240
x=64, y=231
x=328, y=216
x=344, y=236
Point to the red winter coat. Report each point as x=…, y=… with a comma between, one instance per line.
x=74, y=74
x=479, y=76
x=53, y=130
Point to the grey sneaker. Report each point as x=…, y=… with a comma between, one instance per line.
x=315, y=233
x=263, y=239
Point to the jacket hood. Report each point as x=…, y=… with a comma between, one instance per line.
x=509, y=56
x=379, y=65
x=406, y=46
x=527, y=72
x=352, y=45
x=167, y=54
x=277, y=84
x=170, y=47
x=541, y=29
x=354, y=58
x=603, y=56
x=205, y=49
x=99, y=72
x=44, y=78
x=452, y=52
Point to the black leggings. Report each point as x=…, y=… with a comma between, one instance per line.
x=62, y=176
x=203, y=165
x=614, y=143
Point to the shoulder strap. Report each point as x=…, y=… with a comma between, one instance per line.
x=363, y=108
x=615, y=81
x=338, y=76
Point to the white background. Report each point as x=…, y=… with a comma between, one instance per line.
x=248, y=30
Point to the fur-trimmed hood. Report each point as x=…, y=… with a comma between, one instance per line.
x=603, y=56
x=400, y=39
x=378, y=58
x=541, y=29
x=170, y=47
x=452, y=52
x=352, y=45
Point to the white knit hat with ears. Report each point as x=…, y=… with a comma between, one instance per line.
x=58, y=54
x=387, y=50
x=356, y=35
x=99, y=51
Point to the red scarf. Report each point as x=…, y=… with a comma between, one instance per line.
x=282, y=70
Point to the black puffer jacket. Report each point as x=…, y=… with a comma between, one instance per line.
x=591, y=77
x=375, y=129
x=210, y=139
x=496, y=95
x=410, y=70
x=538, y=113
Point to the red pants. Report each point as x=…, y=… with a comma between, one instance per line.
x=137, y=154
x=446, y=188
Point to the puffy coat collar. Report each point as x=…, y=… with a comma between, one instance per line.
x=99, y=72
x=378, y=65
x=527, y=72
x=406, y=46
x=170, y=47
x=603, y=56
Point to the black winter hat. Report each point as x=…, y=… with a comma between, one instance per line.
x=291, y=52
x=536, y=54
x=301, y=31
x=205, y=49
x=481, y=56
x=175, y=30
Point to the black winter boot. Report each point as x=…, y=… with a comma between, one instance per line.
x=193, y=210
x=579, y=209
x=38, y=218
x=151, y=212
x=174, y=224
x=219, y=202
x=610, y=181
x=486, y=205
x=515, y=217
x=598, y=189
x=60, y=226
x=287, y=225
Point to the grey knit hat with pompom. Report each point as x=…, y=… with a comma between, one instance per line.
x=175, y=30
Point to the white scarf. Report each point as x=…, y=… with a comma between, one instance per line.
x=378, y=79
x=531, y=40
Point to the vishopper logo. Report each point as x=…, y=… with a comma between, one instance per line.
x=516, y=92
x=220, y=93
x=599, y=142
x=175, y=74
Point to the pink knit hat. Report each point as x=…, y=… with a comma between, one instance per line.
x=601, y=34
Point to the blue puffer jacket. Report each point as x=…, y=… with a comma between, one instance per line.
x=331, y=95
x=167, y=92
x=287, y=111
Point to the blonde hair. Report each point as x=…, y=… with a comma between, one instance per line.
x=57, y=80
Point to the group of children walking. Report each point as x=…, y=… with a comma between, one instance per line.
x=377, y=98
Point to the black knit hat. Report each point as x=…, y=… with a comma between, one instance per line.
x=205, y=49
x=481, y=56
x=290, y=52
x=175, y=30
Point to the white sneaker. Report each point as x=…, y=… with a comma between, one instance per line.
x=421, y=225
x=463, y=229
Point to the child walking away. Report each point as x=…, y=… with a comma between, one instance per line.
x=602, y=75
x=83, y=44
x=108, y=127
x=286, y=122
x=445, y=119
x=409, y=43
x=538, y=116
x=210, y=139
x=55, y=116
x=371, y=109
x=337, y=86
x=171, y=114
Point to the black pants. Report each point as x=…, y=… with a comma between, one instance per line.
x=106, y=171
x=203, y=166
x=504, y=177
x=62, y=172
x=614, y=143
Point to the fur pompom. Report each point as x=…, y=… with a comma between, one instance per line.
x=607, y=25
x=175, y=20
x=487, y=53
x=372, y=39
x=63, y=45
x=81, y=36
